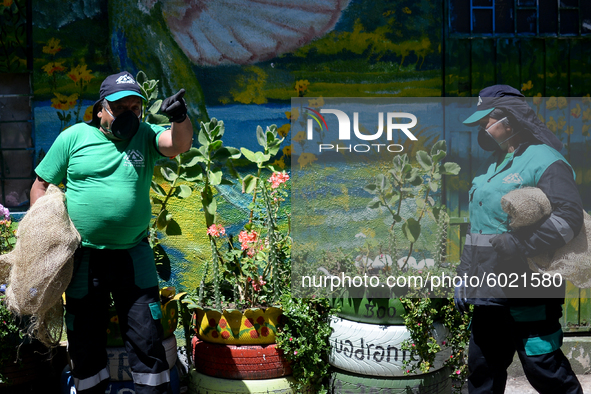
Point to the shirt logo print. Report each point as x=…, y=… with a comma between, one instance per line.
x=513, y=178
x=134, y=158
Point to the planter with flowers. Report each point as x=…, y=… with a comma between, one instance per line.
x=235, y=312
x=19, y=364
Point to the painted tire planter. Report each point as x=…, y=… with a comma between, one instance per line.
x=203, y=384
x=370, y=349
x=437, y=382
x=232, y=327
x=387, y=311
x=169, y=320
x=246, y=362
x=118, y=362
x=126, y=387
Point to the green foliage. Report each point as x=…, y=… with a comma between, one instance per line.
x=420, y=315
x=304, y=340
x=417, y=182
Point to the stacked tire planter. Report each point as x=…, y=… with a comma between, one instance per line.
x=235, y=352
x=365, y=350
x=118, y=361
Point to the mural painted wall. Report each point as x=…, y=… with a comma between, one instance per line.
x=242, y=61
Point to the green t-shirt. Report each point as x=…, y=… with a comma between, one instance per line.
x=107, y=182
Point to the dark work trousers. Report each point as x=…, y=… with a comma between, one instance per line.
x=130, y=276
x=534, y=333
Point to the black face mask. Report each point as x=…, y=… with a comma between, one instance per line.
x=486, y=141
x=124, y=126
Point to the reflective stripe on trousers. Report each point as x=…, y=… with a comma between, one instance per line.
x=90, y=382
x=151, y=379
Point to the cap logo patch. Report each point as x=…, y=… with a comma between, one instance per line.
x=125, y=79
x=479, y=101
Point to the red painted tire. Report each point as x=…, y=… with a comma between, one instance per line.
x=245, y=362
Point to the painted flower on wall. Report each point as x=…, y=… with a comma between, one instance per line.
x=64, y=103
x=53, y=67
x=52, y=47
x=80, y=74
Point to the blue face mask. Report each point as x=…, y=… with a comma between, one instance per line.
x=124, y=126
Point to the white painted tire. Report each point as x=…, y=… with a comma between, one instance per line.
x=375, y=350
x=118, y=363
x=203, y=384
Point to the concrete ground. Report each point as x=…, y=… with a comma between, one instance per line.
x=520, y=385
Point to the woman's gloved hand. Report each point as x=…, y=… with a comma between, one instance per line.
x=506, y=245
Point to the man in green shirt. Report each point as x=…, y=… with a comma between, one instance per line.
x=108, y=165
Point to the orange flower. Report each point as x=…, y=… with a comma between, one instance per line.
x=287, y=150
x=88, y=114
x=52, y=47
x=80, y=73
x=52, y=67
x=538, y=99
x=64, y=103
x=576, y=112
x=284, y=130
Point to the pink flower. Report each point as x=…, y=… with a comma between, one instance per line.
x=257, y=284
x=277, y=179
x=246, y=239
x=290, y=339
x=295, y=352
x=458, y=372
x=216, y=230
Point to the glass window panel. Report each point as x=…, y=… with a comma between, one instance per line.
x=504, y=23
x=526, y=3
x=16, y=135
x=482, y=22
x=482, y=3
x=17, y=163
x=570, y=3
x=526, y=22
x=459, y=16
x=586, y=17
x=14, y=83
x=548, y=17
x=569, y=22
x=17, y=192
x=15, y=108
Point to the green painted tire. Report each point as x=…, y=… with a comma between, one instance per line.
x=203, y=384
x=385, y=311
x=437, y=382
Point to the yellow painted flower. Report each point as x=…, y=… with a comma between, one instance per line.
x=294, y=114
x=561, y=122
x=527, y=86
x=115, y=319
x=299, y=137
x=570, y=129
x=301, y=87
x=585, y=130
x=562, y=102
x=406, y=10
x=279, y=163
x=538, y=99
x=52, y=47
x=552, y=124
x=287, y=150
x=551, y=103
x=306, y=159
x=7, y=3
x=576, y=112
x=541, y=118
x=587, y=114
x=52, y=67
x=316, y=103
x=284, y=130
x=88, y=114
x=587, y=99
x=80, y=73
x=64, y=103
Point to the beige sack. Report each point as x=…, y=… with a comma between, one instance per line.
x=573, y=261
x=41, y=264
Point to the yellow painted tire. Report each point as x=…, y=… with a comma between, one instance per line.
x=232, y=327
x=203, y=384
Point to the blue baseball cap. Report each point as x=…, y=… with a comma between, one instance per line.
x=488, y=99
x=115, y=87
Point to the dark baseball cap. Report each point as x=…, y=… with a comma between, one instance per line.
x=513, y=104
x=488, y=100
x=116, y=87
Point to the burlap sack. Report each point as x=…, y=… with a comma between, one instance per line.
x=41, y=264
x=573, y=261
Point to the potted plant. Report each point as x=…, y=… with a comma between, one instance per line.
x=18, y=363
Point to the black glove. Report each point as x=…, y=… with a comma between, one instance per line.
x=460, y=300
x=505, y=245
x=175, y=107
